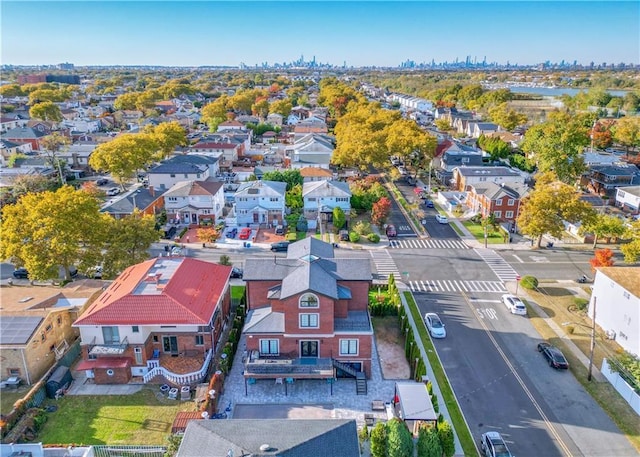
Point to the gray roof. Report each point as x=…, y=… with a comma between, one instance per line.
x=140, y=198
x=196, y=159
x=356, y=321
x=319, y=437
x=415, y=402
x=24, y=133
x=263, y=320
x=309, y=276
x=487, y=171
x=326, y=188
x=615, y=170
x=18, y=329
x=176, y=168
x=493, y=190
x=6, y=144
x=266, y=188
x=310, y=246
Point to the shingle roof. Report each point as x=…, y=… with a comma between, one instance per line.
x=196, y=159
x=266, y=188
x=264, y=320
x=319, y=437
x=140, y=198
x=487, y=171
x=326, y=189
x=175, y=168
x=24, y=133
x=186, y=188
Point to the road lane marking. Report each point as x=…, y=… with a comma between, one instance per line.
x=518, y=258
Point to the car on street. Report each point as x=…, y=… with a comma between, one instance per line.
x=280, y=246
x=429, y=203
x=245, y=233
x=113, y=191
x=492, y=445
x=554, y=356
x=514, y=304
x=96, y=272
x=237, y=272
x=232, y=233
x=391, y=231
x=20, y=273
x=442, y=219
x=343, y=235
x=102, y=181
x=435, y=325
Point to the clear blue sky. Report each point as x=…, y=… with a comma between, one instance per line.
x=360, y=33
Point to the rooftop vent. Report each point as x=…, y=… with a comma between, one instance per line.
x=265, y=448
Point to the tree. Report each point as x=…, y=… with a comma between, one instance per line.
x=293, y=198
x=46, y=111
x=167, y=136
x=548, y=205
x=215, y=112
x=128, y=242
x=282, y=107
x=260, y=108
x=602, y=258
x=225, y=260
x=429, y=442
x=505, y=117
x=339, y=218
x=51, y=144
x=601, y=134
x=627, y=133
x=399, y=440
x=445, y=432
x=557, y=144
x=631, y=250
x=49, y=229
x=496, y=147
x=291, y=177
x=11, y=90
x=379, y=440
x=406, y=139
x=207, y=234
x=604, y=225
x=380, y=211
x=443, y=124
x=124, y=155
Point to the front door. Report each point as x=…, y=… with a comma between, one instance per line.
x=170, y=344
x=308, y=349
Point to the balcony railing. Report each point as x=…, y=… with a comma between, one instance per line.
x=304, y=367
x=175, y=378
x=108, y=349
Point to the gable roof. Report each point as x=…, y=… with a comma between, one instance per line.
x=326, y=189
x=24, y=133
x=141, y=198
x=270, y=437
x=162, y=291
x=186, y=188
x=196, y=159
x=177, y=167
x=262, y=188
x=315, y=172
x=494, y=191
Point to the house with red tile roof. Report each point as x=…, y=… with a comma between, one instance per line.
x=155, y=314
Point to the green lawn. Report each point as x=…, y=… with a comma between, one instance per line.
x=478, y=231
x=237, y=293
x=9, y=396
x=141, y=418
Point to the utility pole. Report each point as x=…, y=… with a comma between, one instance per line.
x=593, y=338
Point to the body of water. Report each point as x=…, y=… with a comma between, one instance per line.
x=557, y=91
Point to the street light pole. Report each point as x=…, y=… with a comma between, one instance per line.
x=593, y=338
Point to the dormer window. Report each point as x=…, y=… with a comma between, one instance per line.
x=309, y=301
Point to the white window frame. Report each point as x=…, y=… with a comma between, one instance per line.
x=511, y=202
x=497, y=214
x=348, y=345
x=499, y=202
x=508, y=214
x=306, y=320
x=269, y=342
x=304, y=299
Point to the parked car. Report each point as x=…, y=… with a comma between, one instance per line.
x=429, y=204
x=391, y=231
x=343, y=235
x=435, y=325
x=245, y=233
x=20, y=273
x=442, y=219
x=237, y=272
x=102, y=181
x=493, y=445
x=96, y=272
x=280, y=246
x=280, y=230
x=554, y=356
x=232, y=233
x=113, y=191
x=514, y=304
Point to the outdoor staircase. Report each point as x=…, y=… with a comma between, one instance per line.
x=361, y=379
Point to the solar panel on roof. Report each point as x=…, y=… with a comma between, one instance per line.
x=18, y=329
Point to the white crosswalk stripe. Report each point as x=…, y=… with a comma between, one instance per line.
x=443, y=285
x=385, y=265
x=414, y=243
x=497, y=264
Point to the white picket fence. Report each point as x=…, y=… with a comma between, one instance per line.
x=180, y=379
x=623, y=388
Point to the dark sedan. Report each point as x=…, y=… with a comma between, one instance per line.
x=554, y=356
x=237, y=272
x=280, y=246
x=20, y=273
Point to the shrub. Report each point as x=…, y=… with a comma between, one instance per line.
x=379, y=440
x=529, y=282
x=373, y=237
x=581, y=303
x=354, y=237
x=364, y=434
x=445, y=432
x=362, y=228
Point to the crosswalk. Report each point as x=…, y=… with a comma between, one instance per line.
x=415, y=243
x=385, y=265
x=497, y=264
x=445, y=285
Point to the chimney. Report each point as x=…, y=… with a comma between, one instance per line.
x=152, y=192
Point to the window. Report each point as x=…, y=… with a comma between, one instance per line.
x=311, y=199
x=348, y=347
x=308, y=321
x=52, y=348
x=199, y=340
x=172, y=175
x=59, y=320
x=172, y=199
x=135, y=329
x=309, y=301
x=186, y=175
x=509, y=214
x=499, y=202
x=274, y=199
x=342, y=199
x=14, y=371
x=269, y=347
x=497, y=214
x=48, y=328
x=511, y=202
x=155, y=338
x=111, y=335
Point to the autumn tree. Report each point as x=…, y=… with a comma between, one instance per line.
x=601, y=134
x=557, y=144
x=12, y=90
x=406, y=139
x=51, y=145
x=627, y=132
x=260, y=108
x=603, y=226
x=631, y=250
x=46, y=111
x=380, y=211
x=49, y=95
x=282, y=107
x=548, y=205
x=506, y=117
x=49, y=229
x=215, y=113
x=443, y=124
x=167, y=136
x=207, y=234
x=293, y=198
x=336, y=96
x=124, y=155
x=602, y=258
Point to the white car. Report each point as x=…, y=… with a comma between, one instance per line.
x=442, y=219
x=113, y=191
x=434, y=325
x=514, y=304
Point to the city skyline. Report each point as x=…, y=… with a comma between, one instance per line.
x=358, y=34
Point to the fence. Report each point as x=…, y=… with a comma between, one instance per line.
x=127, y=451
x=624, y=389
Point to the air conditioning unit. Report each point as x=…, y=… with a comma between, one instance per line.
x=611, y=334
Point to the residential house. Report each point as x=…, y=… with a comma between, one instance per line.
x=165, y=106
x=9, y=122
x=9, y=148
x=478, y=129
x=35, y=326
x=615, y=299
x=82, y=125
x=260, y=202
x=23, y=135
x=248, y=119
x=454, y=154
x=311, y=150
x=605, y=179
x=321, y=197
x=77, y=155
x=195, y=202
x=147, y=200
x=9, y=175
x=301, y=112
x=170, y=172
x=628, y=198
x=310, y=312
x=310, y=125
x=155, y=314
x=319, y=437
x=231, y=125
x=275, y=119
x=228, y=151
x=469, y=176
x=502, y=200
x=311, y=174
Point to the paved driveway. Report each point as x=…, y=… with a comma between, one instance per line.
x=282, y=411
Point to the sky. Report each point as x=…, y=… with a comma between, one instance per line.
x=367, y=33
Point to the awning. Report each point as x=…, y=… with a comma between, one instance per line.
x=104, y=362
x=415, y=403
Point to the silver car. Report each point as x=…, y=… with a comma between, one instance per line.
x=434, y=325
x=514, y=304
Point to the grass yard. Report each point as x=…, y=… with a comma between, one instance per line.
x=478, y=232
x=237, y=292
x=558, y=303
x=9, y=396
x=141, y=418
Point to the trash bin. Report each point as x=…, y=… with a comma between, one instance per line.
x=248, y=244
x=244, y=244
x=166, y=247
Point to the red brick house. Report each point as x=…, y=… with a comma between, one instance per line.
x=308, y=314
x=156, y=315
x=501, y=200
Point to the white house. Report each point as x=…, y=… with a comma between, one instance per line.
x=275, y=119
x=195, y=202
x=321, y=197
x=82, y=125
x=616, y=300
x=628, y=198
x=260, y=202
x=167, y=174
x=312, y=150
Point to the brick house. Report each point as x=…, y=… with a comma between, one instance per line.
x=309, y=309
x=195, y=202
x=153, y=315
x=30, y=135
x=501, y=200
